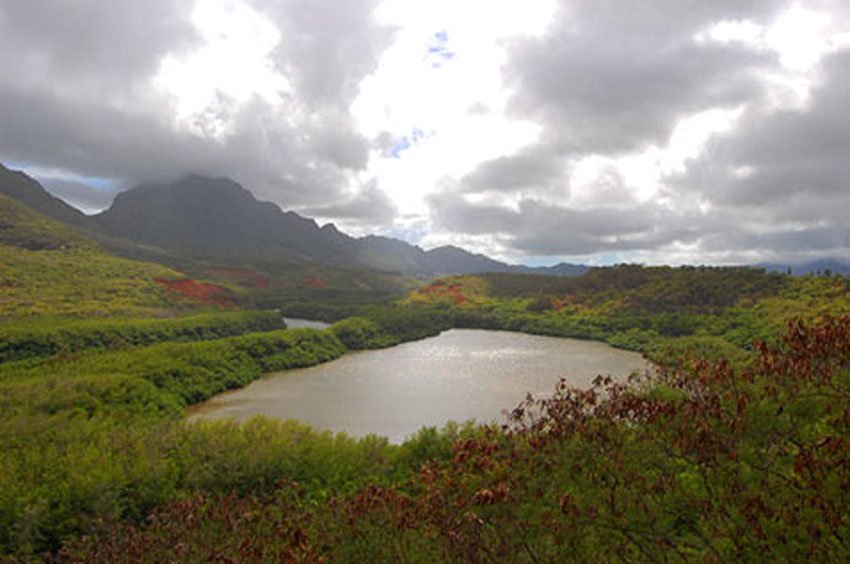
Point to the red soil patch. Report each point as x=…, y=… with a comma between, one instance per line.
x=200, y=291
x=243, y=277
x=439, y=290
x=313, y=282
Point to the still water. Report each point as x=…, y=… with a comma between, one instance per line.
x=293, y=323
x=459, y=375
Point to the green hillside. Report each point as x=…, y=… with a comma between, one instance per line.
x=714, y=311
x=48, y=270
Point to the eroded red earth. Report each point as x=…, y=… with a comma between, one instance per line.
x=441, y=290
x=200, y=291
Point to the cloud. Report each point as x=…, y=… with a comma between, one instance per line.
x=610, y=76
x=90, y=43
x=670, y=130
x=537, y=228
x=784, y=174
x=699, y=130
x=363, y=209
x=534, y=166
x=141, y=91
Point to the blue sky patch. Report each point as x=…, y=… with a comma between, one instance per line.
x=399, y=147
x=406, y=142
x=99, y=183
x=438, y=50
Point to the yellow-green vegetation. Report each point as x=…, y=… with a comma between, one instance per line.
x=359, y=333
x=96, y=435
x=47, y=269
x=734, y=460
x=48, y=336
x=715, y=311
x=704, y=463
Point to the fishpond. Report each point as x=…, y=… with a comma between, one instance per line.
x=458, y=375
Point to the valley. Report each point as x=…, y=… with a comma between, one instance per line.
x=119, y=326
x=391, y=281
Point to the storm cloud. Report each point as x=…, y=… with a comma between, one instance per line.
x=78, y=92
x=668, y=130
x=610, y=81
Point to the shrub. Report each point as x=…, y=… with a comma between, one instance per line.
x=359, y=333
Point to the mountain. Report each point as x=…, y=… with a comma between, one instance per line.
x=454, y=260
x=216, y=218
x=386, y=253
x=833, y=266
x=19, y=186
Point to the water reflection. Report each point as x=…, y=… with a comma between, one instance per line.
x=295, y=323
x=459, y=375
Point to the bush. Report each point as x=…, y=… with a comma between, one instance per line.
x=359, y=333
x=49, y=337
x=698, y=463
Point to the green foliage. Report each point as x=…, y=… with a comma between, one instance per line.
x=359, y=333
x=190, y=371
x=697, y=463
x=400, y=323
x=45, y=337
x=93, y=442
x=48, y=270
x=685, y=289
x=94, y=435
x=716, y=312
x=406, y=323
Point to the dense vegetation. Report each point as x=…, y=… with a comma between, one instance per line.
x=741, y=457
x=46, y=337
x=706, y=462
x=47, y=269
x=718, y=312
x=86, y=435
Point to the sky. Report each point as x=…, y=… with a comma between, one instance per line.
x=534, y=131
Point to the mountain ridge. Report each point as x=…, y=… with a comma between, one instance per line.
x=23, y=188
x=218, y=218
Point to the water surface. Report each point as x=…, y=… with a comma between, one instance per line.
x=295, y=323
x=459, y=375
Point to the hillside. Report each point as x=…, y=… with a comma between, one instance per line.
x=47, y=269
x=98, y=464
x=717, y=311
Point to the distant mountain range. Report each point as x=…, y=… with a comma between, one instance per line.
x=216, y=218
x=823, y=266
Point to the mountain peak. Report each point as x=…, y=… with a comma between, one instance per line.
x=217, y=217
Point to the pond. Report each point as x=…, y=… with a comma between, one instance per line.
x=295, y=323
x=458, y=375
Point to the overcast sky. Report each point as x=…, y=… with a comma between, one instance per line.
x=657, y=131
